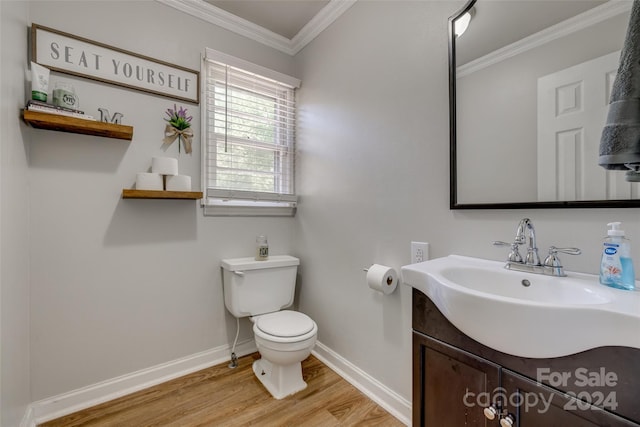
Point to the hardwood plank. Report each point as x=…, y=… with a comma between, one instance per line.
x=219, y=396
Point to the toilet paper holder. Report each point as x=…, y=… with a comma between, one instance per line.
x=389, y=279
x=381, y=278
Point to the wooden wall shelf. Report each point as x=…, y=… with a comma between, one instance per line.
x=61, y=123
x=151, y=194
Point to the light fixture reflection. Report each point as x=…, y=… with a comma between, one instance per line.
x=462, y=23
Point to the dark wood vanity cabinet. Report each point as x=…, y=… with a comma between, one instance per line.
x=456, y=380
x=449, y=383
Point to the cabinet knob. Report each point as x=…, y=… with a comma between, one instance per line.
x=507, y=421
x=490, y=412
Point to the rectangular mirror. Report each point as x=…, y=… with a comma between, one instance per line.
x=529, y=94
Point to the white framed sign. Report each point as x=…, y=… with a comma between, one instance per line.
x=78, y=56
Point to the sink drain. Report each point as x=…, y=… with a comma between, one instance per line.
x=525, y=283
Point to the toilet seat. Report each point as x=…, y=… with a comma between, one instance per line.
x=285, y=323
x=285, y=326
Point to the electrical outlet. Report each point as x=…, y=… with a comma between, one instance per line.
x=419, y=252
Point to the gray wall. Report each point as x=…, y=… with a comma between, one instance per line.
x=373, y=147
x=121, y=285
x=14, y=250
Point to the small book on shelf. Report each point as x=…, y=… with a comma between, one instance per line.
x=55, y=107
x=44, y=107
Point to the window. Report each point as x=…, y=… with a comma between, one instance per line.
x=249, y=133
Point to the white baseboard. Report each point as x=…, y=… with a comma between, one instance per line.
x=388, y=399
x=28, y=420
x=76, y=400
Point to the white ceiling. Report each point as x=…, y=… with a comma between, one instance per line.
x=284, y=17
x=285, y=25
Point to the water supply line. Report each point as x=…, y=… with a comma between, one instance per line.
x=234, y=358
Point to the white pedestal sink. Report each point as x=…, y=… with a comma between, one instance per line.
x=525, y=314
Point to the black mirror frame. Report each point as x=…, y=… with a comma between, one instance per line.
x=453, y=181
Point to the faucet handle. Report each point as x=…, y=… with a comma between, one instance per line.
x=514, y=255
x=553, y=261
x=571, y=251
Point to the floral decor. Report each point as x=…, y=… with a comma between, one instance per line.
x=178, y=127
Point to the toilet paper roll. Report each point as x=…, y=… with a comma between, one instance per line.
x=382, y=278
x=164, y=165
x=179, y=183
x=149, y=181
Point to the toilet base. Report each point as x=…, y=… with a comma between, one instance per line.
x=280, y=380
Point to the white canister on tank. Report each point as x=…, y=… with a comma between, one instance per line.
x=262, y=248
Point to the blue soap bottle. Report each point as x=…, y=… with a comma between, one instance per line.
x=616, y=265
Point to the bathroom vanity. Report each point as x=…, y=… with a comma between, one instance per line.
x=458, y=381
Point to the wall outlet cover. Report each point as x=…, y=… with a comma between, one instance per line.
x=419, y=252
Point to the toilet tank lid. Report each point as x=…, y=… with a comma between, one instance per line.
x=250, y=263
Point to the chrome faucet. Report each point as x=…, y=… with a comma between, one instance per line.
x=526, y=226
x=531, y=263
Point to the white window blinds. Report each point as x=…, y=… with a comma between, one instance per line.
x=249, y=123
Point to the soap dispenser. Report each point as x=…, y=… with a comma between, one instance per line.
x=616, y=265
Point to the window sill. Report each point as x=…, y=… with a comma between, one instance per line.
x=237, y=208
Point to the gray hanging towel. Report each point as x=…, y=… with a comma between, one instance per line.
x=620, y=142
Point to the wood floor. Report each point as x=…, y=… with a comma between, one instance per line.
x=219, y=396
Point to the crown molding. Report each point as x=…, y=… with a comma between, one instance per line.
x=222, y=18
x=562, y=29
x=319, y=23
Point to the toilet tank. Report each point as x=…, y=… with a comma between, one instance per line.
x=257, y=287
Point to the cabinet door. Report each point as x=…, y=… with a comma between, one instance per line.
x=451, y=388
x=532, y=404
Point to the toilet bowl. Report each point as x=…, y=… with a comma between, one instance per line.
x=284, y=339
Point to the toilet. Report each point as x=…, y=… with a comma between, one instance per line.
x=262, y=290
